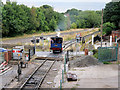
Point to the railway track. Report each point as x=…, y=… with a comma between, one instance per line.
x=36, y=79
x=71, y=42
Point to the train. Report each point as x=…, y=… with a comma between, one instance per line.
x=56, y=44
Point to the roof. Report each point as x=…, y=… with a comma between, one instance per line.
x=57, y=37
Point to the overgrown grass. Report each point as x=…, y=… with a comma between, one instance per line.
x=65, y=38
x=105, y=62
x=42, y=33
x=38, y=34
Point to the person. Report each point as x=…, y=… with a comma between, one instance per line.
x=80, y=36
x=52, y=41
x=77, y=37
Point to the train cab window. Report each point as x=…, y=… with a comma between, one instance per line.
x=56, y=40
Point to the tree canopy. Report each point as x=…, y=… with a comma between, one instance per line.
x=112, y=13
x=20, y=19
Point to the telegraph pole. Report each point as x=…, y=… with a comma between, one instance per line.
x=101, y=27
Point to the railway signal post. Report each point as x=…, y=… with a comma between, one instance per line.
x=19, y=68
x=34, y=41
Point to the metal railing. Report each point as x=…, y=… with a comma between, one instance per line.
x=108, y=53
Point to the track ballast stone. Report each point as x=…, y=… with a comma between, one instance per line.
x=84, y=61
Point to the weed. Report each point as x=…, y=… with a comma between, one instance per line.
x=105, y=62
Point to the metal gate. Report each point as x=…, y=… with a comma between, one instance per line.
x=107, y=53
x=31, y=52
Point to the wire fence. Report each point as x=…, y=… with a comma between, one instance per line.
x=108, y=53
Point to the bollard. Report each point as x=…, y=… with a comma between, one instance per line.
x=86, y=52
x=62, y=76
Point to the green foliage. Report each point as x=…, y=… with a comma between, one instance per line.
x=105, y=62
x=73, y=25
x=84, y=19
x=1, y=5
x=19, y=19
x=53, y=24
x=112, y=13
x=108, y=27
x=14, y=19
x=95, y=53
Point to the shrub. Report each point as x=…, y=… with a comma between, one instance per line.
x=108, y=27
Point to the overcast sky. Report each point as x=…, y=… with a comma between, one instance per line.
x=106, y=1
x=63, y=5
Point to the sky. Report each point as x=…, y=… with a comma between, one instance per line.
x=63, y=5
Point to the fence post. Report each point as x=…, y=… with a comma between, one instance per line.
x=34, y=50
x=65, y=64
x=67, y=55
x=117, y=51
x=98, y=53
x=29, y=54
x=60, y=84
x=62, y=76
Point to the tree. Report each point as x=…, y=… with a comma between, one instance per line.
x=33, y=20
x=108, y=27
x=73, y=25
x=1, y=5
x=14, y=19
x=112, y=13
x=52, y=24
x=73, y=11
x=85, y=19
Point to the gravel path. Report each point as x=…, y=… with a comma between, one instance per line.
x=9, y=79
x=49, y=80
x=101, y=76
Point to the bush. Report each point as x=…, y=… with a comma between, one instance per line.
x=108, y=27
x=95, y=53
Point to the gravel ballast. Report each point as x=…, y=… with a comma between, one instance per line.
x=84, y=61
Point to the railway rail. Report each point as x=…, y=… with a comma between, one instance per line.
x=36, y=79
x=73, y=41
